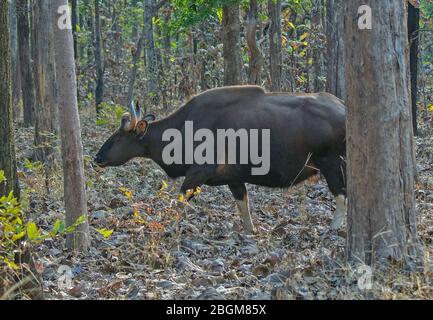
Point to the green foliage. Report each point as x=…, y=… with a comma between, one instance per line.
x=188, y=13
x=110, y=114
x=13, y=229
x=105, y=232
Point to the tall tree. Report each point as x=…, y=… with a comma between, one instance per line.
x=72, y=149
x=256, y=57
x=99, y=59
x=15, y=66
x=413, y=30
x=380, y=152
x=231, y=44
x=274, y=8
x=28, y=95
x=44, y=79
x=74, y=19
x=149, y=50
x=317, y=51
x=335, y=63
x=7, y=145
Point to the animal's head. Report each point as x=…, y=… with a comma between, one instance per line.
x=126, y=143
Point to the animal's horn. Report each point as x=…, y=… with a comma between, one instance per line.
x=138, y=111
x=134, y=120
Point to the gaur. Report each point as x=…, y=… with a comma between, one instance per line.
x=307, y=135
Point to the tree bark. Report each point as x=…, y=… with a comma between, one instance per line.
x=231, y=45
x=317, y=51
x=335, y=31
x=15, y=66
x=274, y=8
x=28, y=94
x=133, y=72
x=150, y=53
x=413, y=30
x=72, y=149
x=380, y=152
x=7, y=145
x=99, y=91
x=74, y=20
x=46, y=107
x=256, y=57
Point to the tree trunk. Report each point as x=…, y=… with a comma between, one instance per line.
x=7, y=145
x=231, y=45
x=15, y=66
x=72, y=149
x=45, y=110
x=380, y=155
x=74, y=18
x=28, y=93
x=99, y=91
x=133, y=73
x=256, y=57
x=91, y=29
x=335, y=31
x=274, y=8
x=413, y=26
x=317, y=26
x=150, y=53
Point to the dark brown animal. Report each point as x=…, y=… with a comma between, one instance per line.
x=307, y=134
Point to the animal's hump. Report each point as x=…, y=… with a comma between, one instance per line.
x=239, y=90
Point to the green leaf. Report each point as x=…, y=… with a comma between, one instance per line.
x=18, y=236
x=2, y=176
x=106, y=233
x=220, y=15
x=304, y=36
x=32, y=231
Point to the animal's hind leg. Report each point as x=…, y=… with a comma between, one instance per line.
x=333, y=168
x=240, y=194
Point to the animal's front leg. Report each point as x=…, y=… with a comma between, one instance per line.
x=194, y=178
x=240, y=194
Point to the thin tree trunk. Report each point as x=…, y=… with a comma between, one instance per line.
x=150, y=54
x=99, y=91
x=317, y=25
x=231, y=45
x=274, y=8
x=72, y=149
x=413, y=30
x=380, y=155
x=74, y=18
x=7, y=145
x=256, y=57
x=336, y=83
x=133, y=72
x=28, y=93
x=91, y=28
x=15, y=66
x=44, y=81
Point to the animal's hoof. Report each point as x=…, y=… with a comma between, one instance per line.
x=337, y=222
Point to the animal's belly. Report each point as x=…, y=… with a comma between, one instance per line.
x=273, y=179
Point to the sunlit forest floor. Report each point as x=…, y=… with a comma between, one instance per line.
x=160, y=251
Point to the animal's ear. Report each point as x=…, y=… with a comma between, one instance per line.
x=141, y=127
x=149, y=117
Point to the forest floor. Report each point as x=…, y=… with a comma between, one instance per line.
x=159, y=251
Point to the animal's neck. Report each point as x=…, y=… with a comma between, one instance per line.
x=153, y=138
